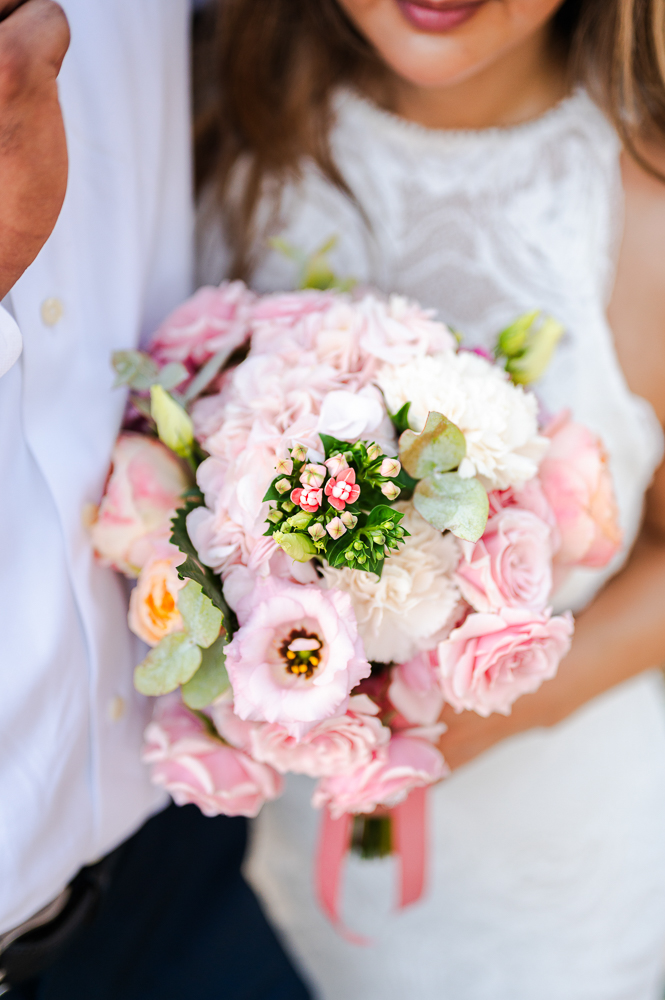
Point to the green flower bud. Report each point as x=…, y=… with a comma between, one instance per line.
x=358, y=546
x=300, y=520
x=297, y=545
x=174, y=425
x=349, y=555
x=275, y=516
x=532, y=362
x=282, y=485
x=512, y=340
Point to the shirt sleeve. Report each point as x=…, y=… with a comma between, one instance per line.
x=11, y=343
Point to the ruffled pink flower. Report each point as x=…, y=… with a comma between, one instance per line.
x=211, y=320
x=308, y=498
x=415, y=690
x=406, y=763
x=296, y=657
x=195, y=767
x=510, y=566
x=142, y=493
x=492, y=659
x=342, y=490
x=335, y=745
x=577, y=483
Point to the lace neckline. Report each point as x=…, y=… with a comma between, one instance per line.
x=572, y=108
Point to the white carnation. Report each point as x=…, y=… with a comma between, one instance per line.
x=414, y=604
x=498, y=419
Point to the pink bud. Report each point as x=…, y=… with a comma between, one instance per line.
x=390, y=468
x=284, y=466
x=390, y=491
x=336, y=464
x=282, y=486
x=313, y=475
x=299, y=453
x=336, y=528
x=373, y=452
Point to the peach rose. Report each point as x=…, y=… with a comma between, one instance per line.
x=577, y=483
x=142, y=493
x=153, y=604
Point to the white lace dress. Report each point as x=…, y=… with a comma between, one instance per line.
x=547, y=874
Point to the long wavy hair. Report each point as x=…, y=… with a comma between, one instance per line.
x=266, y=71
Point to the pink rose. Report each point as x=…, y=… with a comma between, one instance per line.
x=406, y=763
x=195, y=767
x=510, y=566
x=415, y=690
x=153, y=603
x=492, y=659
x=342, y=490
x=142, y=493
x=577, y=483
x=211, y=320
x=296, y=657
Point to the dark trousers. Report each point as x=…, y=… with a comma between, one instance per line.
x=177, y=922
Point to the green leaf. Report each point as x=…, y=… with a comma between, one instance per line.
x=168, y=665
x=135, y=369
x=401, y=418
x=172, y=375
x=203, y=621
x=210, y=370
x=439, y=446
x=210, y=680
x=334, y=446
x=192, y=568
x=451, y=503
x=382, y=514
x=174, y=424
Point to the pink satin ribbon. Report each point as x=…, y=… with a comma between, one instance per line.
x=409, y=831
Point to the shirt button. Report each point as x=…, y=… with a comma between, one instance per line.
x=117, y=708
x=52, y=311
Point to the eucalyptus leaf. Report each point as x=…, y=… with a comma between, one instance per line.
x=210, y=680
x=210, y=370
x=172, y=375
x=450, y=503
x=171, y=663
x=440, y=446
x=134, y=369
x=203, y=621
x=192, y=568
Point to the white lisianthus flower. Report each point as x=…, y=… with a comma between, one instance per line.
x=414, y=602
x=498, y=419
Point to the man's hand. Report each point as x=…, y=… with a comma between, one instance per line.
x=34, y=37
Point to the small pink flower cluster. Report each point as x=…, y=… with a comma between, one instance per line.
x=303, y=696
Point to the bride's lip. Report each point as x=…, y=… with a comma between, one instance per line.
x=438, y=17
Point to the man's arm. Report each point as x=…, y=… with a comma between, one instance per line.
x=34, y=36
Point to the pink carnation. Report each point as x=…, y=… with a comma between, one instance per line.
x=195, y=767
x=142, y=493
x=492, y=659
x=406, y=763
x=212, y=320
x=510, y=566
x=297, y=656
x=334, y=746
x=577, y=483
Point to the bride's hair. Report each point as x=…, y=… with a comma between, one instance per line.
x=274, y=64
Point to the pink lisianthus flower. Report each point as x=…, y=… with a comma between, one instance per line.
x=296, y=657
x=492, y=659
x=334, y=746
x=211, y=320
x=406, y=763
x=342, y=490
x=142, y=493
x=307, y=497
x=577, y=483
x=510, y=566
x=415, y=690
x=195, y=767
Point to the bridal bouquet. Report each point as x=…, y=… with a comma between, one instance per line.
x=339, y=520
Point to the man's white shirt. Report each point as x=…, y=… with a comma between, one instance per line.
x=71, y=783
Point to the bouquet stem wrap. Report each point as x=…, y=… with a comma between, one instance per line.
x=409, y=820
